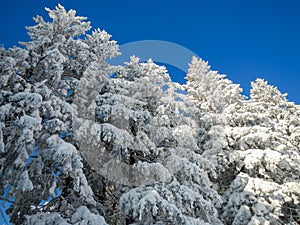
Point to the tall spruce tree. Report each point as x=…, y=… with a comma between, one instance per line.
x=42, y=171
x=263, y=137
x=142, y=127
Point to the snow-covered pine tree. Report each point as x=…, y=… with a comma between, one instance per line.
x=263, y=137
x=42, y=171
x=209, y=96
x=261, y=150
x=209, y=93
x=125, y=109
x=140, y=111
x=140, y=100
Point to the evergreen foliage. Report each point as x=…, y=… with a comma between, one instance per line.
x=85, y=142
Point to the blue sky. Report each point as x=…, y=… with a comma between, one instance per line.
x=244, y=39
